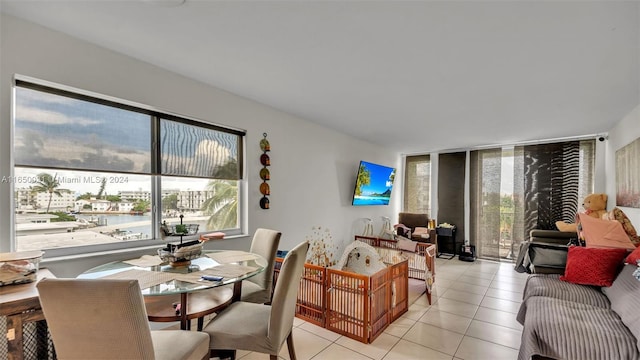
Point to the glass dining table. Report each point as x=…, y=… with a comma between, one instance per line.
x=214, y=268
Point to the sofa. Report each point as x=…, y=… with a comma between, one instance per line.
x=565, y=320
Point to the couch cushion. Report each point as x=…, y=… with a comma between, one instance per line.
x=624, y=295
x=592, y=266
x=599, y=233
x=634, y=257
x=549, y=285
x=562, y=329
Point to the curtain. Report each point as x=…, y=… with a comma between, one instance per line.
x=451, y=196
x=417, y=184
x=485, y=196
x=516, y=190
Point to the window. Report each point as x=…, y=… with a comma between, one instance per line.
x=95, y=172
x=517, y=189
x=417, y=184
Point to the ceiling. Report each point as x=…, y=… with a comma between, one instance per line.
x=412, y=76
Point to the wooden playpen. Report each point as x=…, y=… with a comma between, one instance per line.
x=355, y=305
x=422, y=262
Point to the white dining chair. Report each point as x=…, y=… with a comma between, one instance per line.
x=106, y=319
x=258, y=289
x=261, y=328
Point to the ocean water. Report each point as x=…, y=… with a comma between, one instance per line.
x=370, y=200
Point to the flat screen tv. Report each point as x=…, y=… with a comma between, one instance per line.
x=373, y=184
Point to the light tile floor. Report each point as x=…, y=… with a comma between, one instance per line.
x=472, y=317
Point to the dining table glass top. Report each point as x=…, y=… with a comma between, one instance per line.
x=159, y=278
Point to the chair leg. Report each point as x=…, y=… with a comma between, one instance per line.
x=200, y=323
x=292, y=353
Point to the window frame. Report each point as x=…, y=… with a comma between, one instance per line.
x=155, y=117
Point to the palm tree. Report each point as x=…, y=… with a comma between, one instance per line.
x=364, y=178
x=103, y=184
x=47, y=184
x=223, y=205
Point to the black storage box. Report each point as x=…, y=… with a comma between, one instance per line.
x=467, y=253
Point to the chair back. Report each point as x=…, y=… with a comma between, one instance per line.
x=265, y=243
x=96, y=318
x=413, y=220
x=285, y=294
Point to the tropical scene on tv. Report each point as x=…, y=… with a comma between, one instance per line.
x=373, y=184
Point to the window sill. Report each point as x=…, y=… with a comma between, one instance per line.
x=125, y=252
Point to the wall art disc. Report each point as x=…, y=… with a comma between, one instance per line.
x=264, y=174
x=264, y=202
x=264, y=145
x=264, y=189
x=264, y=160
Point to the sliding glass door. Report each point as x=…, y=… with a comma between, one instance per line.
x=517, y=189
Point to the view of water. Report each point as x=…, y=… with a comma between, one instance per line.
x=371, y=200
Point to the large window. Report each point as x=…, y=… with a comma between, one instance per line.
x=91, y=171
x=417, y=184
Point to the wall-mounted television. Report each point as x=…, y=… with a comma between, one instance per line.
x=373, y=184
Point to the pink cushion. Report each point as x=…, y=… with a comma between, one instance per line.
x=598, y=233
x=407, y=245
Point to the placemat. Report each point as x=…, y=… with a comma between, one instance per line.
x=231, y=256
x=145, y=261
x=146, y=279
x=225, y=270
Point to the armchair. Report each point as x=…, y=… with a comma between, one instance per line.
x=411, y=221
x=545, y=252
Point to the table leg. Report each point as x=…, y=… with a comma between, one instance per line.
x=237, y=291
x=183, y=311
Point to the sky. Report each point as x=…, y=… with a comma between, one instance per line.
x=61, y=132
x=379, y=179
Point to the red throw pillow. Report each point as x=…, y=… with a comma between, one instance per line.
x=634, y=257
x=592, y=266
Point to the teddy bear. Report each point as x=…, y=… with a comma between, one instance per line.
x=595, y=205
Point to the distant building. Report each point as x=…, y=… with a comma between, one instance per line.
x=98, y=205
x=192, y=200
x=133, y=195
x=27, y=199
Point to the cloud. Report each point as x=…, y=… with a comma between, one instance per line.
x=28, y=96
x=41, y=116
x=37, y=150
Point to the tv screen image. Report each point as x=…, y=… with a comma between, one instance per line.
x=373, y=184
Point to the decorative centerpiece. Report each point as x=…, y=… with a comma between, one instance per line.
x=19, y=267
x=180, y=254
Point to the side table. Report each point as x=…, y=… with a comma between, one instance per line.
x=450, y=234
x=22, y=321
